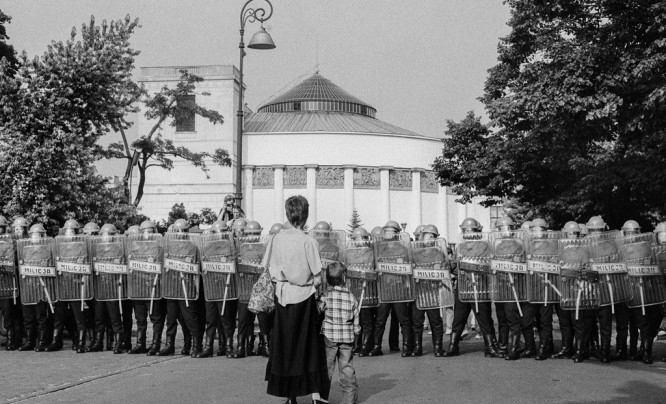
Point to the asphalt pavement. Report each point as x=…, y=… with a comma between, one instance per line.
x=67, y=377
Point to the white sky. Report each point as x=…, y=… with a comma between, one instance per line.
x=418, y=63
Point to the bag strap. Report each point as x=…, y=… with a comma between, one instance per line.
x=270, y=250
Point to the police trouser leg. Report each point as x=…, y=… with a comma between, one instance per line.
x=565, y=319
x=404, y=313
x=383, y=312
x=127, y=323
x=546, y=347
x=582, y=329
x=10, y=324
x=368, y=318
x=394, y=332
x=605, y=315
x=418, y=319
x=502, y=324
x=190, y=316
x=54, y=343
x=29, y=327
x=245, y=327
x=437, y=329
x=229, y=325
x=527, y=329
x=213, y=317
x=460, y=315
x=622, y=315
x=265, y=326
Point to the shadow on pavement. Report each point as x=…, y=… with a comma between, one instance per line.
x=373, y=384
x=635, y=391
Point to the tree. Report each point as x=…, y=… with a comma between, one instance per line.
x=577, y=103
x=354, y=222
x=151, y=149
x=54, y=110
x=6, y=50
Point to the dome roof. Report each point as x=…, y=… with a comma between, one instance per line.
x=317, y=93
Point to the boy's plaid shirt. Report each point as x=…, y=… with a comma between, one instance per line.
x=340, y=321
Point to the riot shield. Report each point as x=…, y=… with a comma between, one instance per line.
x=646, y=277
x=181, y=267
x=144, y=259
x=509, y=267
x=110, y=267
x=543, y=268
x=251, y=250
x=8, y=282
x=394, y=267
x=474, y=276
x=606, y=260
x=218, y=267
x=331, y=245
x=361, y=274
x=73, y=268
x=37, y=272
x=432, y=274
x=580, y=285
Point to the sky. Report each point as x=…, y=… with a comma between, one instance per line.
x=419, y=63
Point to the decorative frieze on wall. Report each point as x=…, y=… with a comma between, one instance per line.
x=367, y=178
x=330, y=177
x=400, y=180
x=263, y=177
x=429, y=182
x=295, y=177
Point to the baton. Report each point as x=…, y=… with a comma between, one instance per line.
x=46, y=293
x=152, y=292
x=182, y=283
x=580, y=290
x=640, y=286
x=545, y=295
x=226, y=290
x=14, y=290
x=515, y=294
x=476, y=297
x=610, y=290
x=120, y=292
x=83, y=289
x=360, y=304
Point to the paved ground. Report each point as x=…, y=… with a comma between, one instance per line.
x=104, y=378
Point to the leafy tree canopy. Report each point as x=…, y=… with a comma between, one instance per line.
x=6, y=50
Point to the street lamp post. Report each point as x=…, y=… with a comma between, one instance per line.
x=260, y=40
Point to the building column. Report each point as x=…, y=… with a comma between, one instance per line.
x=416, y=215
x=349, y=190
x=311, y=191
x=385, y=190
x=443, y=213
x=248, y=192
x=278, y=201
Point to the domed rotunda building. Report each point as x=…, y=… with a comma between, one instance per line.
x=316, y=140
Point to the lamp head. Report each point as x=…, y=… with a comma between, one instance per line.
x=261, y=40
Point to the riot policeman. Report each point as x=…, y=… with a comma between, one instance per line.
x=9, y=303
x=265, y=320
x=363, y=255
x=471, y=232
x=571, y=230
x=245, y=316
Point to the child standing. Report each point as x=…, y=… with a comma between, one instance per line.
x=339, y=328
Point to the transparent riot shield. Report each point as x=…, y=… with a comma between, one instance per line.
x=606, y=259
x=251, y=250
x=509, y=267
x=361, y=274
x=543, y=267
x=646, y=277
x=8, y=282
x=110, y=266
x=181, y=267
x=144, y=259
x=331, y=245
x=73, y=269
x=432, y=274
x=37, y=272
x=394, y=267
x=218, y=267
x=580, y=285
x=474, y=276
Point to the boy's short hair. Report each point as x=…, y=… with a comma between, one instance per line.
x=335, y=273
x=297, y=210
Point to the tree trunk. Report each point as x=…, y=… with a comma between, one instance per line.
x=142, y=180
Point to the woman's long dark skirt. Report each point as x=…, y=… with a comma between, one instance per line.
x=297, y=357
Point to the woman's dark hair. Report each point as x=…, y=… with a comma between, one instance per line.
x=335, y=274
x=236, y=206
x=297, y=210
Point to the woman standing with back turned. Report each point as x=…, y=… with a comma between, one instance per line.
x=297, y=360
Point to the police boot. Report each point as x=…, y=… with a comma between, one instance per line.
x=453, y=345
x=249, y=350
x=638, y=356
x=97, y=343
x=594, y=347
x=633, y=340
x=127, y=341
x=240, y=348
x=12, y=343
x=367, y=346
x=43, y=341
x=262, y=348
x=358, y=344
x=221, y=346
x=437, y=344
x=81, y=346
x=197, y=349
x=56, y=343
x=230, y=347
x=605, y=352
x=545, y=349
x=491, y=348
x=140, y=346
x=169, y=348
x=407, y=344
x=620, y=352
x=109, y=338
x=418, y=344
x=75, y=341
x=503, y=344
x=187, y=344
x=647, y=352
x=530, y=344
x=119, y=347
x=29, y=343
x=207, y=351
x=155, y=345
x=579, y=355
x=376, y=351
x=514, y=346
